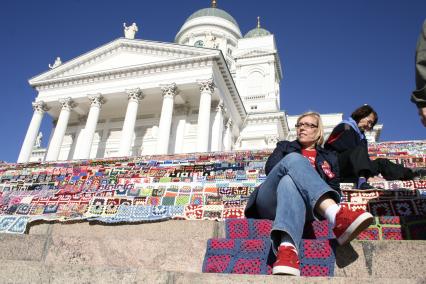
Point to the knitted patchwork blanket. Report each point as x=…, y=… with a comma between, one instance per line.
x=247, y=249
x=211, y=186
x=396, y=228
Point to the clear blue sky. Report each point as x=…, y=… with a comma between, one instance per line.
x=336, y=54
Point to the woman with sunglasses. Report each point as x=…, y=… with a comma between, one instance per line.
x=302, y=184
x=349, y=141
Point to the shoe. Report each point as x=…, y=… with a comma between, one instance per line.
x=419, y=174
x=350, y=223
x=365, y=185
x=287, y=262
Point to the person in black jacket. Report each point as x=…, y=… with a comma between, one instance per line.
x=419, y=95
x=349, y=141
x=302, y=184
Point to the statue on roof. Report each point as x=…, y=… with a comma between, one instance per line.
x=210, y=41
x=38, y=140
x=56, y=63
x=130, y=31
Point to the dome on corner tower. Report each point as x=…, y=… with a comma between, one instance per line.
x=257, y=31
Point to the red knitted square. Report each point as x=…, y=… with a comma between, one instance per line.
x=217, y=263
x=369, y=234
x=239, y=229
x=262, y=228
x=222, y=244
x=392, y=233
x=314, y=270
x=252, y=246
x=316, y=249
x=247, y=266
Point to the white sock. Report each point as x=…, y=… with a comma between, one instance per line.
x=330, y=214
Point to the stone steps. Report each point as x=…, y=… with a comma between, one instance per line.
x=34, y=272
x=173, y=252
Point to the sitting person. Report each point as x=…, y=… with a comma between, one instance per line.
x=302, y=184
x=419, y=95
x=349, y=141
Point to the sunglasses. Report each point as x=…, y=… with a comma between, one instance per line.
x=306, y=124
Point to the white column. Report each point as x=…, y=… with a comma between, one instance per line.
x=217, y=129
x=227, y=139
x=79, y=140
x=61, y=126
x=96, y=102
x=128, y=130
x=169, y=92
x=183, y=111
x=203, y=126
x=32, y=132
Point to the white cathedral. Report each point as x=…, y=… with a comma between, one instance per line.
x=213, y=89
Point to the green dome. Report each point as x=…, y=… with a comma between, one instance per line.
x=256, y=32
x=214, y=12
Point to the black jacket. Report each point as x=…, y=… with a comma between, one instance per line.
x=419, y=95
x=285, y=147
x=343, y=138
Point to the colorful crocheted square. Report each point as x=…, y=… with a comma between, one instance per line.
x=369, y=234
x=317, y=258
x=6, y=222
x=380, y=208
x=261, y=229
x=194, y=212
x=237, y=228
x=212, y=214
x=167, y=200
x=233, y=213
x=236, y=256
x=153, y=200
x=313, y=270
x=392, y=233
x=252, y=265
x=217, y=263
x=404, y=207
x=196, y=199
x=182, y=199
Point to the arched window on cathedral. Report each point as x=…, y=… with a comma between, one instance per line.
x=255, y=84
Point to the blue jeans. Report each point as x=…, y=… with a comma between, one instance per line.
x=289, y=195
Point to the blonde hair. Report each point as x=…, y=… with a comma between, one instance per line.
x=320, y=134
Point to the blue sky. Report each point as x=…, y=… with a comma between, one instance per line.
x=336, y=54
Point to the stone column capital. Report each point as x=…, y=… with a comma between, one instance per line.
x=135, y=94
x=220, y=107
x=229, y=123
x=40, y=106
x=206, y=85
x=271, y=139
x=169, y=90
x=96, y=100
x=67, y=103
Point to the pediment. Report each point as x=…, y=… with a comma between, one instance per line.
x=119, y=54
x=254, y=52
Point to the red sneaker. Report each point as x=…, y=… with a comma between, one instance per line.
x=287, y=262
x=350, y=223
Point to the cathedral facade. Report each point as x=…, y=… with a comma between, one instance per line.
x=213, y=89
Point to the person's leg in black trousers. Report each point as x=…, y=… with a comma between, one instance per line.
x=355, y=163
x=391, y=171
